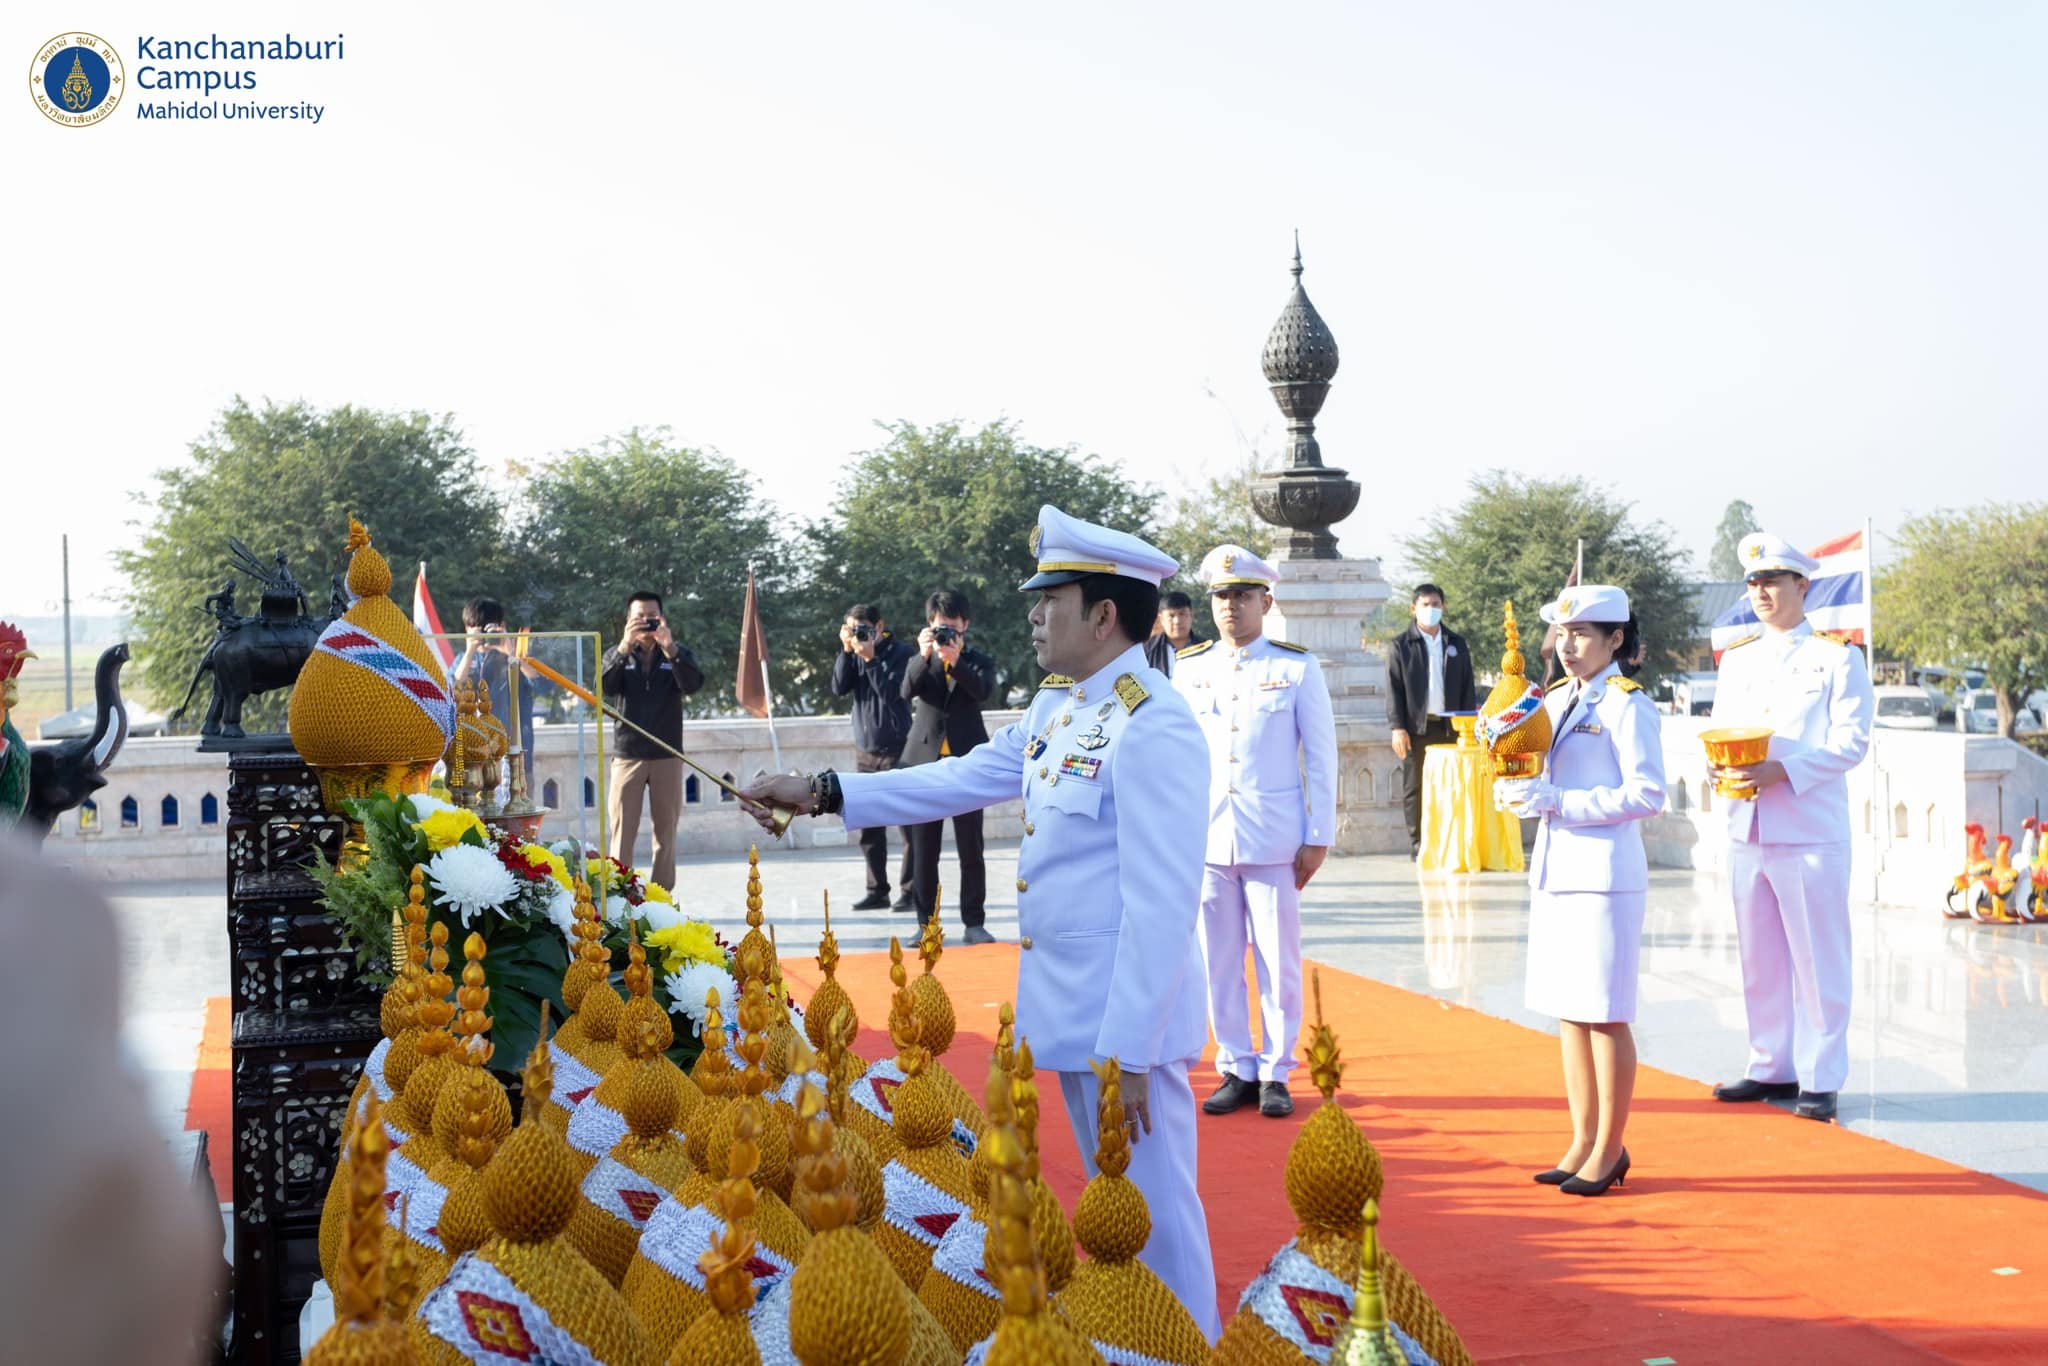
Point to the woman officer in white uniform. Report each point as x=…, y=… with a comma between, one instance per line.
x=1588, y=875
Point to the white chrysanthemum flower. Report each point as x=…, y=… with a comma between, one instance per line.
x=425, y=804
x=616, y=910
x=562, y=910
x=686, y=987
x=469, y=880
x=660, y=915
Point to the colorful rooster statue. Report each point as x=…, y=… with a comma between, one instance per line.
x=14, y=653
x=1990, y=897
x=2037, y=899
x=2024, y=888
x=1976, y=868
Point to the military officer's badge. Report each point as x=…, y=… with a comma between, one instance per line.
x=1102, y=712
x=1130, y=692
x=1229, y=563
x=1074, y=766
x=1036, y=534
x=1035, y=748
x=1091, y=738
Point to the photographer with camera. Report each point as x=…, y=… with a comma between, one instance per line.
x=646, y=676
x=870, y=668
x=947, y=684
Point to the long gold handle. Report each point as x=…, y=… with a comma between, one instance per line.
x=780, y=816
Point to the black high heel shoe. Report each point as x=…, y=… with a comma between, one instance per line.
x=1577, y=1186
x=1556, y=1176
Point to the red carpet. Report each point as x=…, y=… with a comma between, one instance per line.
x=1743, y=1235
x=213, y=1099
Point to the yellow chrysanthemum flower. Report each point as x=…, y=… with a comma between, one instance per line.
x=540, y=853
x=444, y=828
x=657, y=892
x=690, y=942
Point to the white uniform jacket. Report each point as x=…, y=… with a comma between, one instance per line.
x=1113, y=773
x=1607, y=763
x=1815, y=693
x=1265, y=713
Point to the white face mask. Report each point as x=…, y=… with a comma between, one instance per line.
x=1428, y=616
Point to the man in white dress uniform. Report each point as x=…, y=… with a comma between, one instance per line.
x=1114, y=775
x=1264, y=710
x=1788, y=850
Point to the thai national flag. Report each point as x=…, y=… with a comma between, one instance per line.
x=427, y=621
x=1837, y=597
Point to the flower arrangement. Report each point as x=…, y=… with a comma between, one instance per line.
x=521, y=897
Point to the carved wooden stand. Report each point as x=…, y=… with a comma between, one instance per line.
x=303, y=1027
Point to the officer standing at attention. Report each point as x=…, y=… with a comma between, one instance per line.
x=1265, y=712
x=1113, y=774
x=1788, y=850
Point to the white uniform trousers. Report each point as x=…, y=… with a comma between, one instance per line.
x=1255, y=904
x=1163, y=1169
x=1792, y=923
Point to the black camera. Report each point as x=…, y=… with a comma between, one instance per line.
x=945, y=635
x=863, y=631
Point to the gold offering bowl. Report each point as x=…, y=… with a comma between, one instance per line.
x=342, y=782
x=1737, y=747
x=1466, y=724
x=1524, y=765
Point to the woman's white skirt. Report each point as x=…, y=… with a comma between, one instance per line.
x=1584, y=951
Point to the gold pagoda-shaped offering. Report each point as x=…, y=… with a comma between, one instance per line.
x=1512, y=720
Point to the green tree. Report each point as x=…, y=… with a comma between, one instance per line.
x=1738, y=519
x=638, y=511
x=946, y=507
x=289, y=478
x=1212, y=514
x=1971, y=588
x=1513, y=538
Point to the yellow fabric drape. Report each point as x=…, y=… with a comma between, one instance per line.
x=1461, y=832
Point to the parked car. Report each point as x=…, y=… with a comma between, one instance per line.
x=1692, y=694
x=1977, y=714
x=1904, y=708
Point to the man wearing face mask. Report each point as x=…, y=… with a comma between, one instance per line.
x=1788, y=848
x=1429, y=675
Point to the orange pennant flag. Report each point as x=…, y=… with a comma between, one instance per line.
x=750, y=687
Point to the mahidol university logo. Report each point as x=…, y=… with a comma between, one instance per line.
x=77, y=79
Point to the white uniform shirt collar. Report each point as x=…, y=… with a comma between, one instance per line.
x=1100, y=686
x=1596, y=686
x=1785, y=640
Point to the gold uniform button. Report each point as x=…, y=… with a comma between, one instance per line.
x=1067, y=720
x=1041, y=770
x=1022, y=885
x=1024, y=942
x=1233, y=758
x=1053, y=781
x=1029, y=829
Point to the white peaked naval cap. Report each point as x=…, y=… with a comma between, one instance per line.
x=1068, y=548
x=1598, y=602
x=1232, y=566
x=1763, y=553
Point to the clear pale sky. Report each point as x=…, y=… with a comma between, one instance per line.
x=1790, y=253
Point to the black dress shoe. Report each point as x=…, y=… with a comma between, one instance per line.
x=1274, y=1102
x=975, y=934
x=873, y=901
x=1751, y=1089
x=1818, y=1105
x=903, y=903
x=1580, y=1186
x=1556, y=1176
x=1234, y=1094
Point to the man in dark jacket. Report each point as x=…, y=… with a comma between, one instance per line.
x=1429, y=675
x=647, y=676
x=1175, y=631
x=870, y=669
x=946, y=684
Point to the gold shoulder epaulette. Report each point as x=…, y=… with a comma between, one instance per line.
x=1190, y=651
x=1056, y=681
x=1131, y=692
x=1838, y=637
x=1749, y=639
x=1627, y=684
x=1290, y=645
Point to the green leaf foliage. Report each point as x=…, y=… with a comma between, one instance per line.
x=1213, y=513
x=1971, y=588
x=639, y=511
x=1514, y=538
x=948, y=507
x=1737, y=521
x=289, y=478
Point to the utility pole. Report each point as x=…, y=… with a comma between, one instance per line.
x=68, y=703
